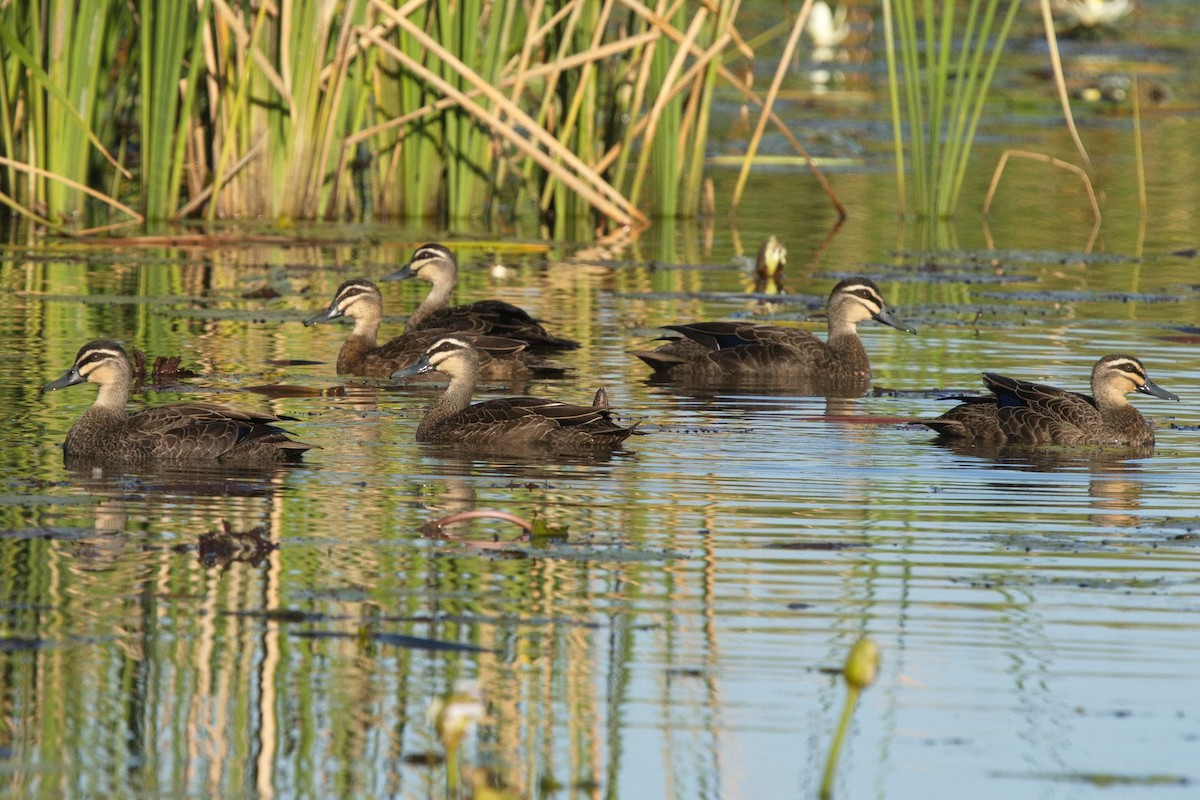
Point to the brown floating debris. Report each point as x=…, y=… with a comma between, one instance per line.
x=163, y=370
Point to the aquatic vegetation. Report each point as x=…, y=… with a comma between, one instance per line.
x=320, y=110
x=942, y=92
x=859, y=672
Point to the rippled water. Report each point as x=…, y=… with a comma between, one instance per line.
x=1038, y=611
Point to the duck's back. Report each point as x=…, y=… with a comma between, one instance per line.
x=501, y=358
x=184, y=431
x=529, y=422
x=717, y=351
x=497, y=318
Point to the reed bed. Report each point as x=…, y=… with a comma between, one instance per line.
x=940, y=65
x=118, y=113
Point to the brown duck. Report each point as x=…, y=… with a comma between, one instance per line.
x=181, y=431
x=436, y=264
x=509, y=423
x=1032, y=413
x=731, y=352
x=500, y=358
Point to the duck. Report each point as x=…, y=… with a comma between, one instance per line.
x=500, y=358
x=509, y=423
x=180, y=431
x=1022, y=412
x=723, y=352
x=436, y=264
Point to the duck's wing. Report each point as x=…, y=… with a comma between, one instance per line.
x=498, y=318
x=506, y=319
x=1037, y=412
x=974, y=418
x=204, y=429
x=1014, y=393
x=726, y=335
x=536, y=410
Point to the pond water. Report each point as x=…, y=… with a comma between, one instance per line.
x=1038, y=612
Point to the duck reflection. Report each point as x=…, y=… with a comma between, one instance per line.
x=234, y=508
x=173, y=480
x=753, y=399
x=1116, y=484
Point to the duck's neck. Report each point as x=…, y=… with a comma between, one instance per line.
x=844, y=342
x=437, y=299
x=456, y=397
x=366, y=328
x=358, y=344
x=1109, y=399
x=112, y=399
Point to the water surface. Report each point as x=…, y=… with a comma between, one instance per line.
x=1037, y=611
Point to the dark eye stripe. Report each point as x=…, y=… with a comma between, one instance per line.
x=1130, y=367
x=429, y=253
x=353, y=291
x=447, y=346
x=92, y=357
x=865, y=293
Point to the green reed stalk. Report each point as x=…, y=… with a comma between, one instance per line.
x=418, y=183
x=889, y=36
x=977, y=97
x=577, y=129
x=629, y=99
x=693, y=176
x=52, y=79
x=661, y=139
x=944, y=96
x=906, y=36
x=164, y=115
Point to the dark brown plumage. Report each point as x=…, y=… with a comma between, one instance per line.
x=436, y=264
x=182, y=431
x=745, y=352
x=509, y=423
x=501, y=358
x=1033, y=413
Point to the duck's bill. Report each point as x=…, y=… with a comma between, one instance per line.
x=422, y=365
x=69, y=378
x=888, y=318
x=327, y=315
x=401, y=274
x=1150, y=387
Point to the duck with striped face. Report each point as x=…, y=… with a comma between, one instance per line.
x=178, y=432
x=507, y=424
x=1022, y=412
x=359, y=299
x=746, y=353
x=436, y=264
